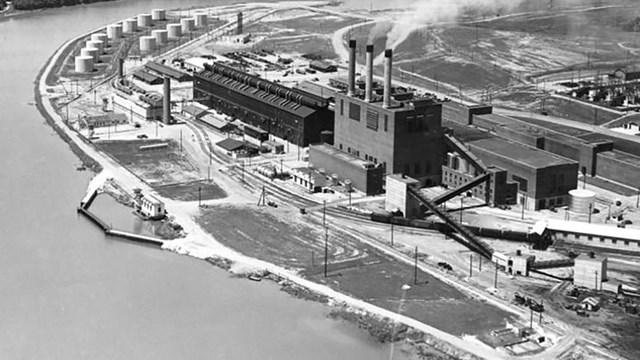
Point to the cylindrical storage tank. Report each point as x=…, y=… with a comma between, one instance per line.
x=174, y=31
x=201, y=19
x=90, y=51
x=188, y=24
x=162, y=36
x=144, y=20
x=84, y=64
x=114, y=31
x=147, y=43
x=581, y=201
x=129, y=26
x=100, y=37
x=158, y=14
x=96, y=44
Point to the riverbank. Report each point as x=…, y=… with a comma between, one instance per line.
x=201, y=245
x=11, y=12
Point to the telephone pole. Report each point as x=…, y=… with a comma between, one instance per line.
x=326, y=249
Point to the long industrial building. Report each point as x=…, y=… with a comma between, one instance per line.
x=290, y=114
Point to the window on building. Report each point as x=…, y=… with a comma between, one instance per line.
x=386, y=122
x=340, y=146
x=416, y=168
x=341, y=107
x=406, y=169
x=576, y=236
x=354, y=111
x=366, y=157
x=590, y=238
x=522, y=183
x=375, y=160
x=349, y=150
x=601, y=239
x=420, y=122
x=372, y=119
x=410, y=120
x=613, y=241
x=358, y=153
x=626, y=242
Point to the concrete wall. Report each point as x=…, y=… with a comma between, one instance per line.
x=398, y=198
x=609, y=167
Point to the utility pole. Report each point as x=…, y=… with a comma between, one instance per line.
x=470, y=265
x=199, y=196
x=281, y=169
x=590, y=212
x=242, y=162
x=531, y=320
x=391, y=233
x=324, y=212
x=461, y=206
x=638, y=199
x=541, y=303
x=180, y=140
x=326, y=249
x=415, y=268
x=524, y=203
x=495, y=280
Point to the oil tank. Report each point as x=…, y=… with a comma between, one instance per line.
x=90, y=51
x=100, y=37
x=581, y=201
x=84, y=64
x=147, y=43
x=188, y=24
x=96, y=44
x=144, y=20
x=162, y=36
x=158, y=14
x=130, y=26
x=174, y=31
x=114, y=31
x=201, y=19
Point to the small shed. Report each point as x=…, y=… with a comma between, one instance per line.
x=108, y=119
x=590, y=304
x=309, y=179
x=231, y=145
x=274, y=147
x=323, y=66
x=152, y=208
x=193, y=111
x=217, y=123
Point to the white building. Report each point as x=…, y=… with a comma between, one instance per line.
x=398, y=198
x=151, y=207
x=590, y=271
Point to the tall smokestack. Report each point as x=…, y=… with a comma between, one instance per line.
x=120, y=68
x=368, y=90
x=239, y=28
x=352, y=68
x=386, y=97
x=166, y=101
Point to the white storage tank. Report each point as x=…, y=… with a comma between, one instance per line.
x=201, y=19
x=84, y=64
x=582, y=201
x=158, y=14
x=114, y=31
x=96, y=44
x=100, y=37
x=147, y=43
x=162, y=36
x=188, y=24
x=129, y=26
x=144, y=20
x=174, y=30
x=90, y=51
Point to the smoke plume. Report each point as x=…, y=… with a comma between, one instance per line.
x=422, y=12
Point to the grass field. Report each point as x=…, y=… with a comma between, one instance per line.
x=156, y=167
x=353, y=268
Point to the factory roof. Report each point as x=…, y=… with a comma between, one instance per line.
x=606, y=231
x=323, y=66
x=215, y=121
x=403, y=178
x=147, y=77
x=289, y=105
x=230, y=144
x=343, y=156
x=523, y=154
x=316, y=89
x=499, y=120
x=167, y=70
x=193, y=110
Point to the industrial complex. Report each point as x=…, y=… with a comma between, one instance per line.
x=213, y=102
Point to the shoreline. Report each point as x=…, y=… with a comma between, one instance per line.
x=212, y=249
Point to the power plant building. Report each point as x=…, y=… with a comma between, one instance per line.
x=289, y=114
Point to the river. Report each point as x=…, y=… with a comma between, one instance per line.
x=67, y=292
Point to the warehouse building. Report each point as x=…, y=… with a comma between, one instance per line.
x=289, y=114
x=590, y=271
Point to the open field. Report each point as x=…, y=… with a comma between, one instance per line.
x=156, y=167
x=192, y=191
x=354, y=268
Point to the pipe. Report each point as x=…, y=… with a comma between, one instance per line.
x=368, y=92
x=386, y=97
x=166, y=106
x=352, y=68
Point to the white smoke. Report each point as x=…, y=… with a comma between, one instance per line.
x=423, y=12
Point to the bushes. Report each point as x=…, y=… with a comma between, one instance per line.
x=42, y=4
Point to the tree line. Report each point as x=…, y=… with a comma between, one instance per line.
x=42, y=4
x=3, y=4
